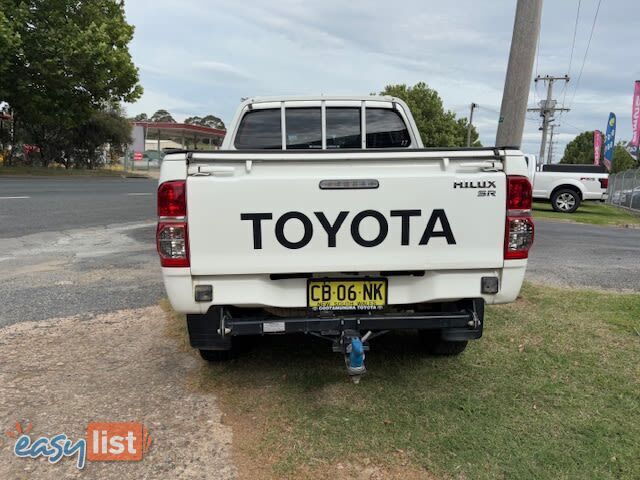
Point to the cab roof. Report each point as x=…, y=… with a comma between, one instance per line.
x=316, y=98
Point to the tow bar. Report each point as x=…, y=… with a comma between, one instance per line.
x=343, y=332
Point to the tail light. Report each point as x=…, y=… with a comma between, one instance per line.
x=172, y=199
x=519, y=195
x=172, y=237
x=604, y=183
x=519, y=230
x=172, y=241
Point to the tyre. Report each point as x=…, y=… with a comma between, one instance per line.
x=434, y=345
x=565, y=200
x=216, y=355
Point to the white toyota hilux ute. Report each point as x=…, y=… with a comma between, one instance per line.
x=326, y=216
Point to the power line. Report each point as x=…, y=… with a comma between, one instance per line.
x=573, y=43
x=481, y=107
x=484, y=107
x=565, y=88
x=493, y=110
x=564, y=93
x=579, y=129
x=586, y=52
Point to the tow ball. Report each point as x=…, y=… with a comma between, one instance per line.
x=353, y=348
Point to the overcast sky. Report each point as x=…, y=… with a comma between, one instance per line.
x=201, y=57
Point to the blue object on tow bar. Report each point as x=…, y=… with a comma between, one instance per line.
x=356, y=356
x=355, y=362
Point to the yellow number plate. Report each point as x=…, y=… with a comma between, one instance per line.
x=347, y=294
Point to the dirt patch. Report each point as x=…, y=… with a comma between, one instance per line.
x=61, y=374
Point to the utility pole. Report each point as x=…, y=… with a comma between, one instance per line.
x=547, y=111
x=473, y=107
x=526, y=29
x=550, y=150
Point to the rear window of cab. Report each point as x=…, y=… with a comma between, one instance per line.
x=261, y=129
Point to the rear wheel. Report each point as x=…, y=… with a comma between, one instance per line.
x=433, y=344
x=565, y=200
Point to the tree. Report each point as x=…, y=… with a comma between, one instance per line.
x=71, y=59
x=162, y=116
x=141, y=117
x=210, y=121
x=580, y=150
x=9, y=41
x=437, y=127
x=105, y=126
x=622, y=160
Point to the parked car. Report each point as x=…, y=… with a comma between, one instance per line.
x=615, y=197
x=635, y=199
x=325, y=215
x=566, y=186
x=625, y=197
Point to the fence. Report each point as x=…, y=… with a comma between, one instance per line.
x=624, y=189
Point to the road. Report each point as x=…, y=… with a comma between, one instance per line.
x=50, y=204
x=76, y=246
x=575, y=255
x=86, y=246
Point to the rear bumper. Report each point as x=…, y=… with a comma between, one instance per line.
x=595, y=196
x=214, y=330
x=465, y=324
x=261, y=290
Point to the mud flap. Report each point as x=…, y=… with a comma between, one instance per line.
x=205, y=331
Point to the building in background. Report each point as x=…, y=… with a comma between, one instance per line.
x=152, y=140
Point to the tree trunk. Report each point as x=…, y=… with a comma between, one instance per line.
x=44, y=152
x=44, y=146
x=9, y=160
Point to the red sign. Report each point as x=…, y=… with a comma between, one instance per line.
x=137, y=156
x=597, y=146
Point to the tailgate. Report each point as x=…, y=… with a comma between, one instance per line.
x=328, y=213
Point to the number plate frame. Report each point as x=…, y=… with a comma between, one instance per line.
x=348, y=308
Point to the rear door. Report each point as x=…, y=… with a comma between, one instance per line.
x=339, y=211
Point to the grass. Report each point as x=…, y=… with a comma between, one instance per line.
x=60, y=171
x=551, y=391
x=594, y=213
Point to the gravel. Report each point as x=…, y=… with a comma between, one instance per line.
x=61, y=374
